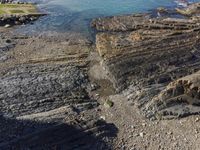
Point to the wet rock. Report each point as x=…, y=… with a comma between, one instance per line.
x=10, y=20
x=192, y=9
x=162, y=10
x=22, y=19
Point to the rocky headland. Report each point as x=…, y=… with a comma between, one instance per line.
x=131, y=89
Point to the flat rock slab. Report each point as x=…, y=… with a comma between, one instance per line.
x=45, y=94
x=39, y=88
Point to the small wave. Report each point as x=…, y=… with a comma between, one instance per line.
x=182, y=3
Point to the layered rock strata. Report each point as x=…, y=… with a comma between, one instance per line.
x=143, y=51
x=180, y=98
x=45, y=96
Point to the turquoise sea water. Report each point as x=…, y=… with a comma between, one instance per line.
x=75, y=15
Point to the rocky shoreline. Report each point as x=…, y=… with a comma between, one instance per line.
x=8, y=21
x=145, y=51
x=131, y=89
x=13, y=18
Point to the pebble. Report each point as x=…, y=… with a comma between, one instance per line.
x=169, y=133
x=7, y=26
x=108, y=104
x=196, y=131
x=141, y=134
x=103, y=117
x=144, y=124
x=96, y=94
x=197, y=120
x=133, y=127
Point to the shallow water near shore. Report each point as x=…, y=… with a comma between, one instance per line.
x=75, y=15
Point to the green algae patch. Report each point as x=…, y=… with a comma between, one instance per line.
x=18, y=9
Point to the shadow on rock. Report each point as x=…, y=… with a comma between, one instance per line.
x=30, y=135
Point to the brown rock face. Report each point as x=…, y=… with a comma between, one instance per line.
x=141, y=21
x=179, y=98
x=143, y=51
x=148, y=55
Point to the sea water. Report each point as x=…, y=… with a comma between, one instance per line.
x=75, y=15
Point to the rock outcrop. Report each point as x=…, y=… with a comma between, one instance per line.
x=180, y=98
x=143, y=51
x=41, y=88
x=192, y=9
x=148, y=54
x=45, y=96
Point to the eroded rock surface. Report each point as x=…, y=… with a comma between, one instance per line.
x=5, y=46
x=148, y=53
x=45, y=96
x=180, y=98
x=33, y=89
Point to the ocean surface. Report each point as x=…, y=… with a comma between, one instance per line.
x=75, y=15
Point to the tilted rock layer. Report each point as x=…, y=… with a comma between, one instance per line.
x=145, y=51
x=45, y=96
x=180, y=98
